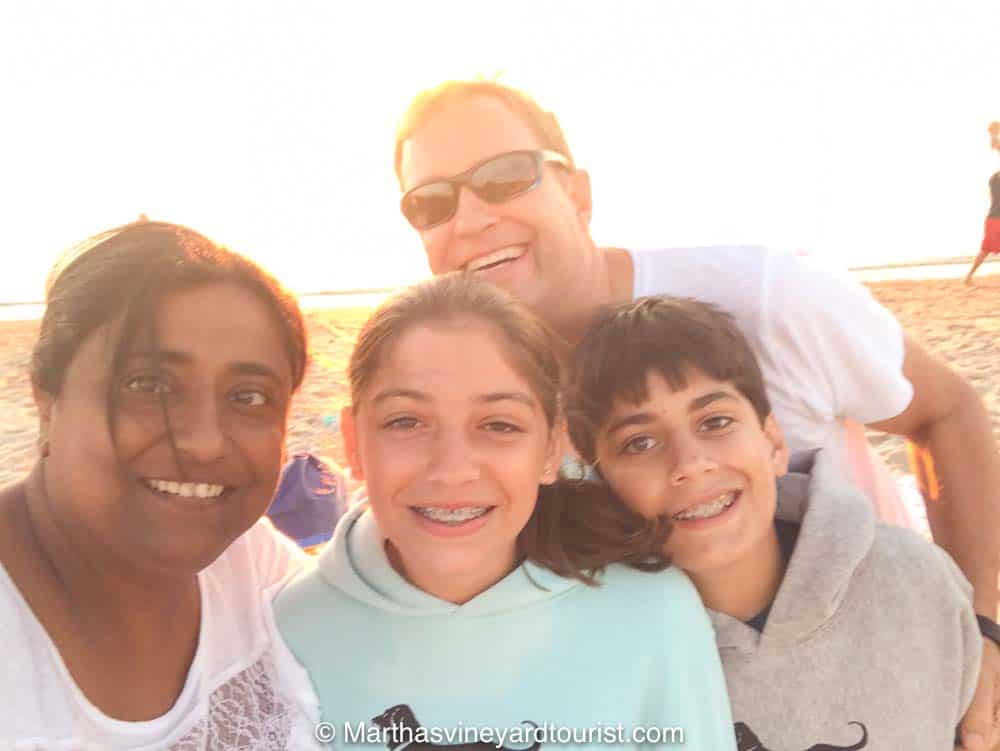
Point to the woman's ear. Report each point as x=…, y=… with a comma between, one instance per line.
x=44, y=402
x=779, y=448
x=348, y=431
x=578, y=187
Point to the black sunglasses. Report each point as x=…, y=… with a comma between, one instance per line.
x=494, y=180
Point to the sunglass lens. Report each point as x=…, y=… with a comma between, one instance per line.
x=429, y=204
x=506, y=176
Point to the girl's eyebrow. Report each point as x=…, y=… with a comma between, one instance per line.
x=495, y=396
x=516, y=396
x=382, y=396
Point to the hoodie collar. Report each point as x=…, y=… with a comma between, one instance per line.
x=355, y=562
x=837, y=529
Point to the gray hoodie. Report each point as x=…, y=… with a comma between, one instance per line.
x=870, y=643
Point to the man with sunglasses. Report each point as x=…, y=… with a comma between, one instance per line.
x=490, y=184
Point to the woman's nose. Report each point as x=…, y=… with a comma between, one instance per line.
x=198, y=432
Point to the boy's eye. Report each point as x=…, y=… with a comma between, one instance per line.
x=639, y=444
x=719, y=422
x=146, y=383
x=250, y=398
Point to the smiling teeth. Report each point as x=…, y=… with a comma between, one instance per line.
x=497, y=256
x=710, y=509
x=186, y=489
x=451, y=516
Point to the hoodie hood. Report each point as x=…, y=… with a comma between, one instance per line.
x=356, y=563
x=837, y=529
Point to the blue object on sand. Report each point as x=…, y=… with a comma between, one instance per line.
x=311, y=497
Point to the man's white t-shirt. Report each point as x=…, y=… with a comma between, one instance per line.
x=244, y=689
x=827, y=349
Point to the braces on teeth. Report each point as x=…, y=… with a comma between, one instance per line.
x=452, y=516
x=707, y=510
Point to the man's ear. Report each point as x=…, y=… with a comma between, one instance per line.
x=779, y=448
x=348, y=431
x=578, y=187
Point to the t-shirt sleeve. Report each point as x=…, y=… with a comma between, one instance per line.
x=832, y=341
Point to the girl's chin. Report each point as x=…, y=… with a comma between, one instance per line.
x=470, y=574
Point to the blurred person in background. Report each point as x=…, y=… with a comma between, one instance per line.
x=991, y=232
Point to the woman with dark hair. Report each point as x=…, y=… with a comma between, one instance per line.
x=991, y=232
x=135, y=575
x=477, y=599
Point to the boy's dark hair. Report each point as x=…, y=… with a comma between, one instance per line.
x=664, y=334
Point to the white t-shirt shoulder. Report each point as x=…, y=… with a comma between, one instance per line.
x=828, y=350
x=244, y=689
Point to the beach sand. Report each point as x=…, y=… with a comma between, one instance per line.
x=960, y=325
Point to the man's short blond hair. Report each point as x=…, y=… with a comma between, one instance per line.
x=429, y=102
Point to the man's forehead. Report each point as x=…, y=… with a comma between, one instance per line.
x=461, y=134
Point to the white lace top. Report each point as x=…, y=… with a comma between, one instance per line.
x=244, y=690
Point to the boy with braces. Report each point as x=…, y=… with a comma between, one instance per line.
x=822, y=618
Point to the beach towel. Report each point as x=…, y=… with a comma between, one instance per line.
x=311, y=498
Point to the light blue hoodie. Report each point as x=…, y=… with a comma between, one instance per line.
x=535, y=659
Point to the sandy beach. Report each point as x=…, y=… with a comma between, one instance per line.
x=959, y=324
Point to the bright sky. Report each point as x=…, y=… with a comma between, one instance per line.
x=856, y=128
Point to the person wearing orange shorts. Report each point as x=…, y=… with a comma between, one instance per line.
x=991, y=233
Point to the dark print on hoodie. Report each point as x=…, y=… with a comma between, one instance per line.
x=401, y=729
x=747, y=741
